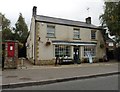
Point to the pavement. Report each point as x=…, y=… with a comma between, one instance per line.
x=31, y=75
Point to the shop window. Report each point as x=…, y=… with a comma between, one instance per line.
x=62, y=51
x=89, y=49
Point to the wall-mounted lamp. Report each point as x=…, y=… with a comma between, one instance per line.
x=39, y=39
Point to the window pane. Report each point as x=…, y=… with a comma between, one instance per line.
x=93, y=34
x=50, y=31
x=76, y=33
x=88, y=49
x=62, y=50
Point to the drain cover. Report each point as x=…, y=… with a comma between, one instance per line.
x=11, y=76
x=23, y=78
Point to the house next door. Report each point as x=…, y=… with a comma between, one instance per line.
x=76, y=54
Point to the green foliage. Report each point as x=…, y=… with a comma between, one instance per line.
x=101, y=45
x=6, y=31
x=18, y=33
x=7, y=34
x=5, y=22
x=111, y=18
x=21, y=29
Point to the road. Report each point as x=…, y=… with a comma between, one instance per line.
x=98, y=83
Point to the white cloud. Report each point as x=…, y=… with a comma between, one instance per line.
x=69, y=9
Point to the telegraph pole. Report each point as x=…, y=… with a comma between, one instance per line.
x=1, y=40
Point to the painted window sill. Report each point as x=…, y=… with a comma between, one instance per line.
x=50, y=37
x=94, y=40
x=76, y=39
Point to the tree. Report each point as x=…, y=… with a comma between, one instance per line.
x=21, y=29
x=111, y=18
x=7, y=34
x=21, y=32
x=6, y=31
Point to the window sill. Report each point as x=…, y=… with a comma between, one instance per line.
x=76, y=39
x=50, y=37
x=94, y=40
x=92, y=57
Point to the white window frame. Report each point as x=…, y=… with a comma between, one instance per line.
x=50, y=31
x=76, y=33
x=93, y=34
x=62, y=51
x=90, y=49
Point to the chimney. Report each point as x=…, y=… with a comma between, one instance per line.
x=88, y=20
x=34, y=11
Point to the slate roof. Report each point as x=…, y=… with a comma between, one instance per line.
x=67, y=22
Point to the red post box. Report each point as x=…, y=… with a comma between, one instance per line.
x=11, y=49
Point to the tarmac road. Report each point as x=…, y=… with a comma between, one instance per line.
x=41, y=75
x=46, y=73
x=98, y=83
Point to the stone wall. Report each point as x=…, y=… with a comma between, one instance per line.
x=10, y=62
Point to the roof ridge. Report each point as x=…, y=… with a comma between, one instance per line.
x=61, y=18
x=65, y=21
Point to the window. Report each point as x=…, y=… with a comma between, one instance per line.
x=89, y=49
x=62, y=50
x=50, y=31
x=93, y=34
x=76, y=33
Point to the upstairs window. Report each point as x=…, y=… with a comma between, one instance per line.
x=93, y=34
x=50, y=31
x=76, y=33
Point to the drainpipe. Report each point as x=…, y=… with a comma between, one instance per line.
x=35, y=44
x=34, y=15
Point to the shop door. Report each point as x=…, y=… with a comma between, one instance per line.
x=76, y=54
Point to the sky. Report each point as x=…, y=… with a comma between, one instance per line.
x=66, y=9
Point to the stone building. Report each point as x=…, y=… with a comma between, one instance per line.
x=50, y=37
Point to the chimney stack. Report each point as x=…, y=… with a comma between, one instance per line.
x=88, y=20
x=34, y=10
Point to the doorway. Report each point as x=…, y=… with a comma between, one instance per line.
x=3, y=56
x=76, y=55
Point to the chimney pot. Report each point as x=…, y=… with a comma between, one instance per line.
x=34, y=10
x=88, y=20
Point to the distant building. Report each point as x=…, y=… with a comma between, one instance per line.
x=110, y=47
x=110, y=43
x=55, y=37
